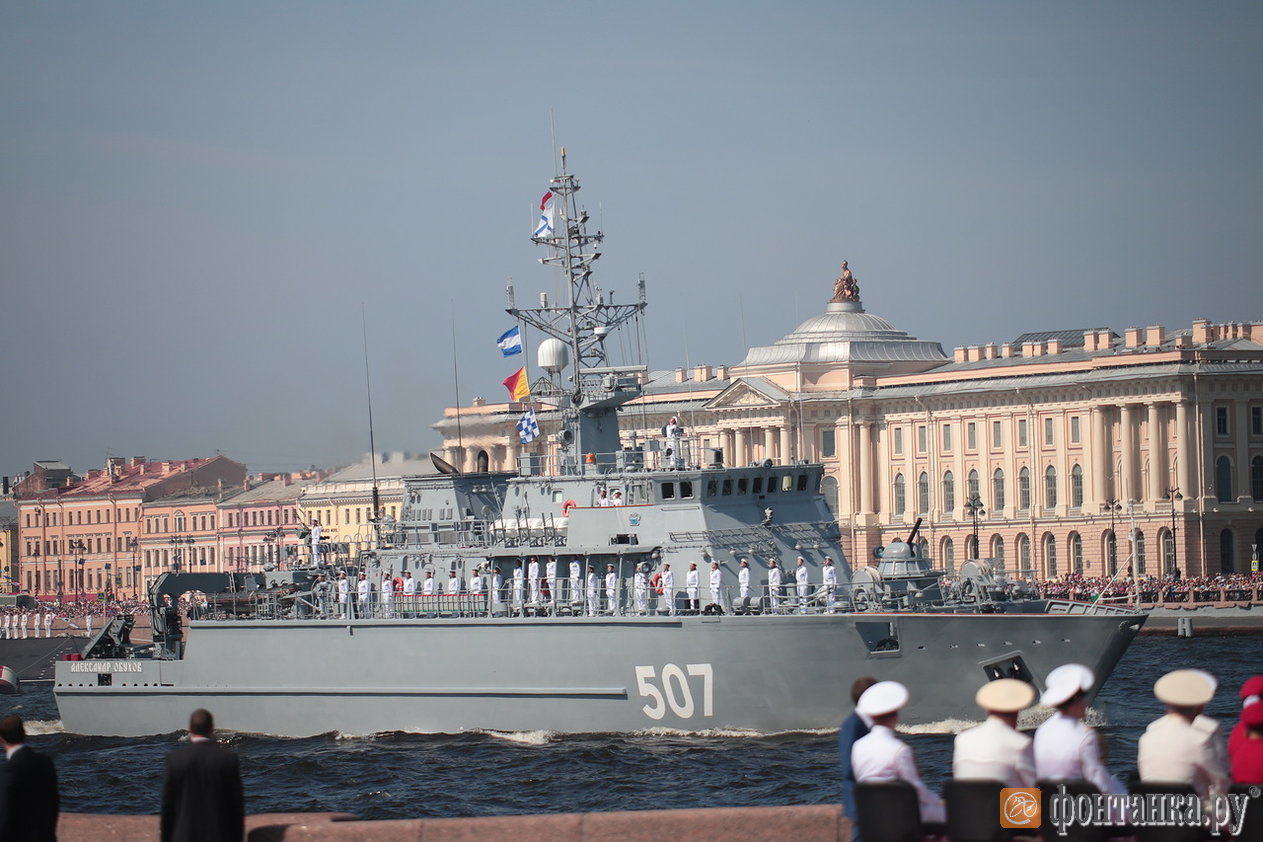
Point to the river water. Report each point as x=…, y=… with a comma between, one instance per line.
x=420, y=775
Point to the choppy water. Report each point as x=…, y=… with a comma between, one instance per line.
x=417, y=775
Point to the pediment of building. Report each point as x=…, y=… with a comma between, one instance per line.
x=747, y=394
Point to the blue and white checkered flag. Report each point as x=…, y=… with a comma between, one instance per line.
x=528, y=427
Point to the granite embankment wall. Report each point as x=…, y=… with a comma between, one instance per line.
x=818, y=823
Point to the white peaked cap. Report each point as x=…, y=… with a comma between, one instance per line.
x=1064, y=682
x=882, y=698
x=1005, y=695
x=1210, y=679
x=1185, y=688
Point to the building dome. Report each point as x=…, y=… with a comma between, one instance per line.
x=844, y=333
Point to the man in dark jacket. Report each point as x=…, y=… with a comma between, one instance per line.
x=853, y=727
x=201, y=791
x=28, y=788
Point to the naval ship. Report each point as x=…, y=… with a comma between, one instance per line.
x=615, y=638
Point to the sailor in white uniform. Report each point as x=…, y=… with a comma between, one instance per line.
x=497, y=591
x=363, y=591
x=603, y=500
x=743, y=579
x=996, y=750
x=611, y=589
x=774, y=586
x=640, y=587
x=550, y=573
x=475, y=582
x=453, y=582
x=881, y=756
x=48, y=622
x=830, y=585
x=692, y=587
x=1173, y=749
x=344, y=595
x=1065, y=748
x=716, y=596
x=672, y=433
x=518, y=586
x=427, y=587
x=8, y=621
x=409, y=594
x=388, y=595
x=574, y=588
x=668, y=588
x=802, y=583
x=532, y=577
x=593, y=591
x=617, y=499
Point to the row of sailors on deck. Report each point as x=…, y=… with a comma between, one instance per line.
x=1184, y=746
x=17, y=622
x=574, y=589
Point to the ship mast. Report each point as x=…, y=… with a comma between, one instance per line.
x=594, y=390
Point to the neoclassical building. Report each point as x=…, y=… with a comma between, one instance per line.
x=1070, y=450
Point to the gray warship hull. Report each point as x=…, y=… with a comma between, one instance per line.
x=761, y=673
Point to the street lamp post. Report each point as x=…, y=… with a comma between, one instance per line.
x=974, y=509
x=178, y=542
x=275, y=537
x=1113, y=507
x=77, y=546
x=1173, y=494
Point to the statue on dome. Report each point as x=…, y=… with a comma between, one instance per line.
x=845, y=288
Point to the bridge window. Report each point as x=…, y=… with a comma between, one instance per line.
x=667, y=489
x=686, y=489
x=742, y=485
x=712, y=488
x=787, y=482
x=758, y=483
x=727, y=487
x=771, y=485
x=802, y=482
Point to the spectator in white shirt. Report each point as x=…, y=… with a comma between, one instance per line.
x=1065, y=748
x=881, y=756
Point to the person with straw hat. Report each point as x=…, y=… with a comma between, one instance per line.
x=881, y=756
x=1173, y=749
x=996, y=750
x=1065, y=748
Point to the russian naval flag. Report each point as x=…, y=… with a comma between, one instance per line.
x=547, y=216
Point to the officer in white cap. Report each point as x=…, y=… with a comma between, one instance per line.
x=882, y=756
x=996, y=750
x=1210, y=725
x=1065, y=748
x=1173, y=749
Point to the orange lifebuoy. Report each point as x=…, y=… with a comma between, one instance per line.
x=566, y=507
x=656, y=582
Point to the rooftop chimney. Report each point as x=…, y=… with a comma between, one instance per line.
x=1155, y=335
x=1132, y=337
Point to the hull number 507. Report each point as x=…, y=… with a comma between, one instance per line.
x=675, y=689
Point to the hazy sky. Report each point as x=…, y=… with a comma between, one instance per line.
x=196, y=200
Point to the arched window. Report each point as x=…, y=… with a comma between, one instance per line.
x=997, y=549
x=483, y=461
x=1076, y=552
x=1076, y=486
x=947, y=553
x=974, y=490
x=971, y=548
x=901, y=495
x=1024, y=489
x=1050, y=556
x=829, y=487
x=1050, y=487
x=1256, y=478
x=923, y=494
x=1111, y=552
x=1227, y=551
x=997, y=490
x=1139, y=544
x=949, y=493
x=1024, y=555
x=1223, y=479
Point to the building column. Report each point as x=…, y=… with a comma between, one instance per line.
x=1241, y=456
x=866, y=467
x=787, y=452
x=740, y=456
x=1157, y=454
x=1099, y=463
x=769, y=443
x=846, y=475
x=1185, y=477
x=1127, y=441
